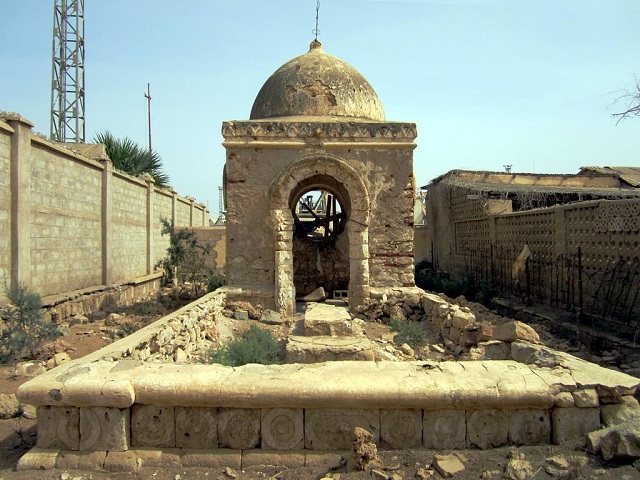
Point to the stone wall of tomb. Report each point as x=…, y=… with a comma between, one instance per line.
x=369, y=164
x=69, y=222
x=320, y=265
x=215, y=237
x=421, y=244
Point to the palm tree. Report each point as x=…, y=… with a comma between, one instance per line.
x=129, y=157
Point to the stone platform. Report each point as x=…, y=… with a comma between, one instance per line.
x=329, y=335
x=325, y=348
x=105, y=406
x=113, y=410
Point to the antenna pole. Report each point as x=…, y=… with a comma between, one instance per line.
x=67, y=72
x=316, y=31
x=148, y=97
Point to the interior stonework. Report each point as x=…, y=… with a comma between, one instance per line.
x=296, y=142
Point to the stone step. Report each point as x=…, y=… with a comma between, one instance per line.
x=330, y=320
x=325, y=348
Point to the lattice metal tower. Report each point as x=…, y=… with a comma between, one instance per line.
x=67, y=83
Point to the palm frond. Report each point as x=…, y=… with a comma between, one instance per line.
x=129, y=157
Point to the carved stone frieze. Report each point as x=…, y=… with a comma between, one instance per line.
x=104, y=428
x=282, y=429
x=346, y=130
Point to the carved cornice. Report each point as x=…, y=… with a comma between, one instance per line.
x=338, y=130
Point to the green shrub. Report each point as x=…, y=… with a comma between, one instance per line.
x=186, y=257
x=256, y=345
x=126, y=329
x=428, y=278
x=149, y=308
x=25, y=328
x=215, y=281
x=409, y=332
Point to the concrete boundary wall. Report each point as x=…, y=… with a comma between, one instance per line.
x=605, y=230
x=114, y=410
x=580, y=252
x=68, y=222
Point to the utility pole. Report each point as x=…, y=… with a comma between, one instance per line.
x=148, y=97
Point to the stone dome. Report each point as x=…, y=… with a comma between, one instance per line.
x=317, y=84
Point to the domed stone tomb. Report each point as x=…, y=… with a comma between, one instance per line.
x=319, y=189
x=317, y=84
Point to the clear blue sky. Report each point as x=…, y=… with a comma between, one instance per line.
x=488, y=82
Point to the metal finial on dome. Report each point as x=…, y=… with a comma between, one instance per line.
x=315, y=30
x=315, y=44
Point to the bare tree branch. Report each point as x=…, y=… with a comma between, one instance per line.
x=632, y=99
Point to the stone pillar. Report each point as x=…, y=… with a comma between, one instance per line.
x=174, y=207
x=150, y=204
x=107, y=173
x=191, y=203
x=284, y=294
x=359, y=290
x=20, y=167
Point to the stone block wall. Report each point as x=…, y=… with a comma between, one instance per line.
x=162, y=208
x=68, y=222
x=86, y=301
x=184, y=213
x=128, y=228
x=391, y=189
x=65, y=221
x=5, y=201
x=421, y=245
x=216, y=237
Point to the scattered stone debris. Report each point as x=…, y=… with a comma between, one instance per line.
x=241, y=315
x=9, y=406
x=557, y=466
x=364, y=454
x=113, y=320
x=515, y=330
x=58, y=359
x=230, y=473
x=424, y=473
x=518, y=468
x=448, y=465
x=271, y=317
x=620, y=443
x=318, y=295
x=620, y=440
x=253, y=312
x=30, y=369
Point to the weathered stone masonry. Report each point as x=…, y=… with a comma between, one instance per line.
x=119, y=409
x=317, y=123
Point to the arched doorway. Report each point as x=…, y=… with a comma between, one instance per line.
x=337, y=239
x=320, y=208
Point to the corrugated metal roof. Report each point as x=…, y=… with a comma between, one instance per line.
x=629, y=175
x=502, y=182
x=511, y=188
